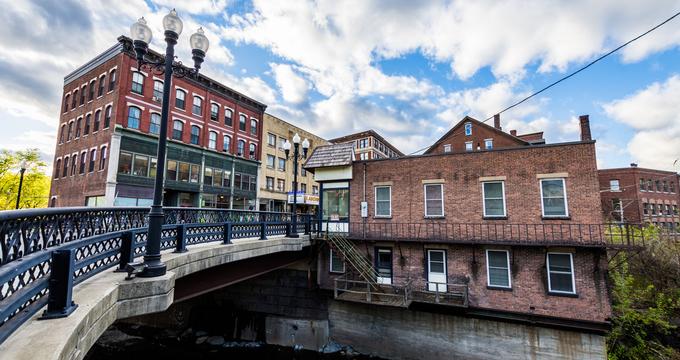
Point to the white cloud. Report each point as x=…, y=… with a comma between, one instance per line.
x=195, y=6
x=654, y=112
x=293, y=86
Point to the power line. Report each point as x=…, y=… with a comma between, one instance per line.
x=577, y=71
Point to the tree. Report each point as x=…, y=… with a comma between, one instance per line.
x=36, y=186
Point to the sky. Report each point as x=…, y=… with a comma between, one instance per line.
x=407, y=69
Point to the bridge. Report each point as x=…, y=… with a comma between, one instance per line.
x=47, y=255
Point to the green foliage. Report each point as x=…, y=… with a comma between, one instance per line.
x=36, y=186
x=646, y=300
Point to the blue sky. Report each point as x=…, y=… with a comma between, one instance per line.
x=407, y=69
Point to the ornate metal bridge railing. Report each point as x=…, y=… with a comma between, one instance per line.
x=33, y=242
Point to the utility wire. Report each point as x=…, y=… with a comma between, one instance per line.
x=575, y=72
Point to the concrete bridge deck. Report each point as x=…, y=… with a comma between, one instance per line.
x=107, y=297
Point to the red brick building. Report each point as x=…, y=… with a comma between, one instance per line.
x=506, y=223
x=107, y=137
x=638, y=195
x=369, y=145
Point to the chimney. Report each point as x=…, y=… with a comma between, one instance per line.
x=585, y=128
x=513, y=132
x=497, y=121
x=633, y=165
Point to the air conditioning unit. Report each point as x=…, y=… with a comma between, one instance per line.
x=156, y=98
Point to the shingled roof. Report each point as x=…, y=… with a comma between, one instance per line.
x=331, y=155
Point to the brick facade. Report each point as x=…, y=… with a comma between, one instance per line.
x=369, y=145
x=634, y=196
x=461, y=174
x=75, y=188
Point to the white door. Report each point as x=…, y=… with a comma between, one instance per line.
x=384, y=266
x=436, y=270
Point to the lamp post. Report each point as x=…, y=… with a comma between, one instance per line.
x=24, y=165
x=296, y=156
x=141, y=36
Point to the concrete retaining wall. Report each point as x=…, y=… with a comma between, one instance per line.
x=396, y=333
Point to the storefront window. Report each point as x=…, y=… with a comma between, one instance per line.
x=183, y=172
x=335, y=205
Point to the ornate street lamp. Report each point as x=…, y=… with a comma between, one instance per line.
x=24, y=165
x=296, y=156
x=141, y=36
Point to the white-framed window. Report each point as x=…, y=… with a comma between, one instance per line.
x=271, y=159
x=488, y=144
x=180, y=96
x=212, y=140
x=226, y=143
x=468, y=146
x=271, y=139
x=468, y=129
x=434, y=200
x=498, y=268
x=155, y=123
x=383, y=201
x=447, y=148
x=614, y=185
x=137, y=83
x=337, y=265
x=493, y=194
x=560, y=273
x=554, y=197
x=157, y=90
x=197, y=107
x=363, y=156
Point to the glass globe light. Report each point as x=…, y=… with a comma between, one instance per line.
x=286, y=146
x=172, y=22
x=140, y=31
x=199, y=41
x=296, y=138
x=305, y=144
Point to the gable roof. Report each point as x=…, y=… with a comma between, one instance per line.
x=331, y=155
x=478, y=123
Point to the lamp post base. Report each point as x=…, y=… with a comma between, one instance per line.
x=153, y=270
x=294, y=235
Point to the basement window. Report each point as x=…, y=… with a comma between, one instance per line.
x=337, y=265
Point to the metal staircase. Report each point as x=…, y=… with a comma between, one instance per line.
x=356, y=260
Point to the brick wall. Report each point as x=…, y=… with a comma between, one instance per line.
x=463, y=190
x=73, y=189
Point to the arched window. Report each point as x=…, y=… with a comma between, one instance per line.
x=157, y=90
x=61, y=135
x=90, y=95
x=102, y=158
x=112, y=80
x=70, y=131
x=65, y=172
x=198, y=105
x=214, y=111
x=79, y=125
x=82, y=94
x=93, y=160
x=57, y=167
x=177, y=129
x=102, y=81
x=107, y=117
x=74, y=103
x=137, y=83
x=226, y=146
x=252, y=150
x=253, y=126
x=242, y=122
x=155, y=124
x=195, y=134
x=180, y=95
x=88, y=119
x=227, y=117
x=74, y=159
x=241, y=148
x=66, y=100
x=97, y=117
x=212, y=140
x=134, y=114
